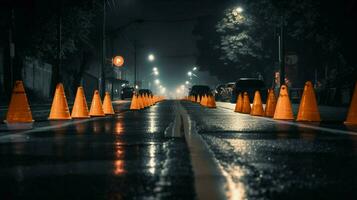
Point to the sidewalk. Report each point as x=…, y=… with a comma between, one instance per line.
x=328, y=113
x=41, y=112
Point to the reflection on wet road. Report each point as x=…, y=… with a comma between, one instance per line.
x=262, y=159
x=126, y=156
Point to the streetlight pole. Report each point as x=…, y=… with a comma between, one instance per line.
x=282, y=52
x=102, y=70
x=11, y=48
x=135, y=68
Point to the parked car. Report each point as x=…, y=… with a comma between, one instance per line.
x=223, y=92
x=200, y=90
x=219, y=91
x=127, y=93
x=249, y=85
x=145, y=91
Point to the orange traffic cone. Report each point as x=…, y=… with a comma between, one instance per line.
x=308, y=110
x=271, y=104
x=283, y=108
x=211, y=103
x=257, y=109
x=204, y=100
x=140, y=101
x=134, y=105
x=246, y=104
x=198, y=99
x=19, y=109
x=96, y=108
x=80, y=108
x=147, y=100
x=107, y=105
x=352, y=111
x=151, y=100
x=59, y=109
x=239, y=103
x=144, y=98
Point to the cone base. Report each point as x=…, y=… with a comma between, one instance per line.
x=84, y=117
x=59, y=119
x=18, y=122
x=19, y=125
x=109, y=113
x=304, y=120
x=97, y=115
x=283, y=119
x=258, y=115
x=350, y=123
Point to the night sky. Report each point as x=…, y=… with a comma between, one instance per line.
x=166, y=32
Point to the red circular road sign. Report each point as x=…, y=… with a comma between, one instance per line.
x=118, y=61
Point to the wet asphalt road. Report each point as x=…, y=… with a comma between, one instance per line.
x=121, y=157
x=129, y=157
x=263, y=159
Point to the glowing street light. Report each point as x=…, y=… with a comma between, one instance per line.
x=151, y=57
x=238, y=10
x=187, y=82
x=156, y=73
x=154, y=69
x=189, y=73
x=194, y=69
x=157, y=81
x=118, y=61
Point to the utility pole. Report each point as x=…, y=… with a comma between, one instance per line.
x=59, y=44
x=135, y=83
x=282, y=52
x=102, y=70
x=56, y=67
x=12, y=46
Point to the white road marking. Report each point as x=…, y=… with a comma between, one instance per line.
x=210, y=182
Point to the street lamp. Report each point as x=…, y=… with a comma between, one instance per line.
x=187, y=82
x=151, y=57
x=194, y=69
x=157, y=81
x=156, y=73
x=189, y=73
x=238, y=10
x=237, y=13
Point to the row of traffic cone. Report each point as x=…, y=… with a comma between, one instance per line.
x=19, y=110
x=60, y=111
x=206, y=101
x=141, y=101
x=281, y=108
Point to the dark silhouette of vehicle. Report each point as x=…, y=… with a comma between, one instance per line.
x=200, y=90
x=145, y=91
x=127, y=93
x=249, y=85
x=223, y=92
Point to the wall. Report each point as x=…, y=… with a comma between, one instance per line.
x=37, y=77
